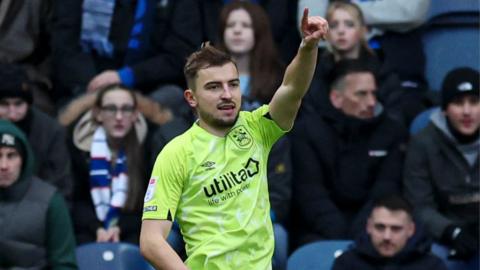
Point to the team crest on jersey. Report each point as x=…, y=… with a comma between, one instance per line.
x=241, y=137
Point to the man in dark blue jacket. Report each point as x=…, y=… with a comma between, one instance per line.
x=392, y=241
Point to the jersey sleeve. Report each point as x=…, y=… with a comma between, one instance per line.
x=166, y=183
x=268, y=130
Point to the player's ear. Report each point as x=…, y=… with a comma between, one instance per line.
x=189, y=96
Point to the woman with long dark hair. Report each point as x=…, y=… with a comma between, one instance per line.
x=108, y=161
x=244, y=32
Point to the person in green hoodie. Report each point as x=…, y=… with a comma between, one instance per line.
x=36, y=227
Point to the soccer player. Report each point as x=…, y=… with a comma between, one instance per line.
x=212, y=179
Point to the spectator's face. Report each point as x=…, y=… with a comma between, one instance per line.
x=389, y=230
x=357, y=98
x=13, y=109
x=464, y=114
x=346, y=32
x=10, y=166
x=239, y=35
x=117, y=114
x=217, y=97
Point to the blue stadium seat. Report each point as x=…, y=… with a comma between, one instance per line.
x=442, y=252
x=450, y=38
x=111, y=256
x=441, y=7
x=317, y=255
x=421, y=120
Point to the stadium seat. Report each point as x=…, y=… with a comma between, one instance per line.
x=450, y=38
x=442, y=252
x=440, y=7
x=111, y=256
x=421, y=120
x=317, y=255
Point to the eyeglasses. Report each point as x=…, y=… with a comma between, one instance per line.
x=112, y=110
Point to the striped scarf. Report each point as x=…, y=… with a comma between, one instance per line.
x=96, y=26
x=108, y=185
x=96, y=21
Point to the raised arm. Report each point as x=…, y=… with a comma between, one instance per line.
x=286, y=101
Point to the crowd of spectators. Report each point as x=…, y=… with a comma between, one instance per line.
x=94, y=89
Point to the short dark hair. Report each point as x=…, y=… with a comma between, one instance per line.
x=207, y=56
x=394, y=202
x=348, y=66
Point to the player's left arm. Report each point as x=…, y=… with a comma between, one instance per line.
x=296, y=81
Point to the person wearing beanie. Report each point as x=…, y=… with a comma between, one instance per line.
x=441, y=177
x=44, y=133
x=36, y=232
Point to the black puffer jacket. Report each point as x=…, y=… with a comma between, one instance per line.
x=339, y=165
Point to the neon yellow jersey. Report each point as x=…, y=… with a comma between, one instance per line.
x=216, y=189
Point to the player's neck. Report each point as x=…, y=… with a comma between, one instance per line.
x=217, y=131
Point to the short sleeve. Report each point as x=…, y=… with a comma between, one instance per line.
x=166, y=183
x=267, y=129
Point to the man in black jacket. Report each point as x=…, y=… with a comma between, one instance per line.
x=344, y=157
x=441, y=170
x=392, y=241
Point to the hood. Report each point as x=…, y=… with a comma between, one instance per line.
x=79, y=114
x=440, y=121
x=18, y=189
x=150, y=109
x=84, y=129
x=468, y=150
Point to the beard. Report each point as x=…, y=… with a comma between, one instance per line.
x=216, y=122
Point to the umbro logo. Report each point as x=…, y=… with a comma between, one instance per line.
x=209, y=165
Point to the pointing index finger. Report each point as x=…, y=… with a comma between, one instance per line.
x=305, y=19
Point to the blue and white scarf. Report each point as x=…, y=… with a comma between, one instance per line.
x=96, y=25
x=96, y=21
x=108, y=185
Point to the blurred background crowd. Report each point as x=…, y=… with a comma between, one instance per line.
x=97, y=85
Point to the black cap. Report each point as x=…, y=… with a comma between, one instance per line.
x=14, y=83
x=458, y=82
